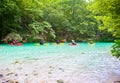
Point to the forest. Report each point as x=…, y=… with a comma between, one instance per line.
x=81, y=20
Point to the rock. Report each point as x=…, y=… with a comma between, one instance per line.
x=16, y=82
x=35, y=74
x=10, y=73
x=82, y=53
x=50, y=66
x=49, y=72
x=60, y=68
x=43, y=81
x=7, y=69
x=26, y=74
x=16, y=74
x=11, y=81
x=60, y=81
x=8, y=81
x=1, y=75
x=116, y=81
x=16, y=62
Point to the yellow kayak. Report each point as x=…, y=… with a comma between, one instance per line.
x=91, y=44
x=58, y=44
x=37, y=44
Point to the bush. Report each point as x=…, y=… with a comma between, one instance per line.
x=116, y=49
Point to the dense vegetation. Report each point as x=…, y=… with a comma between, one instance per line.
x=31, y=20
x=50, y=20
x=108, y=11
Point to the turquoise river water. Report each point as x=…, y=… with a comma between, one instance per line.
x=83, y=63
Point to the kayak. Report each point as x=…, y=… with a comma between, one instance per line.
x=91, y=44
x=58, y=44
x=37, y=44
x=73, y=44
x=18, y=44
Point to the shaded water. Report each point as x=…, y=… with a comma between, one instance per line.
x=83, y=63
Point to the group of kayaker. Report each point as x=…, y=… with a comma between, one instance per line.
x=59, y=41
x=42, y=42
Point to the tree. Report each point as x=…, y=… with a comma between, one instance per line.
x=108, y=12
x=71, y=17
x=20, y=18
x=60, y=19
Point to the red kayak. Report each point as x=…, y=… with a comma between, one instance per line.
x=73, y=44
x=18, y=44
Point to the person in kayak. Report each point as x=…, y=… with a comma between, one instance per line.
x=73, y=42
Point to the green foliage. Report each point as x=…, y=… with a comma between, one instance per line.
x=50, y=19
x=107, y=12
x=39, y=27
x=116, y=49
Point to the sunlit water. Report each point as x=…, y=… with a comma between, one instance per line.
x=83, y=63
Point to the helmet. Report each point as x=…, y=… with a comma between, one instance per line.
x=72, y=40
